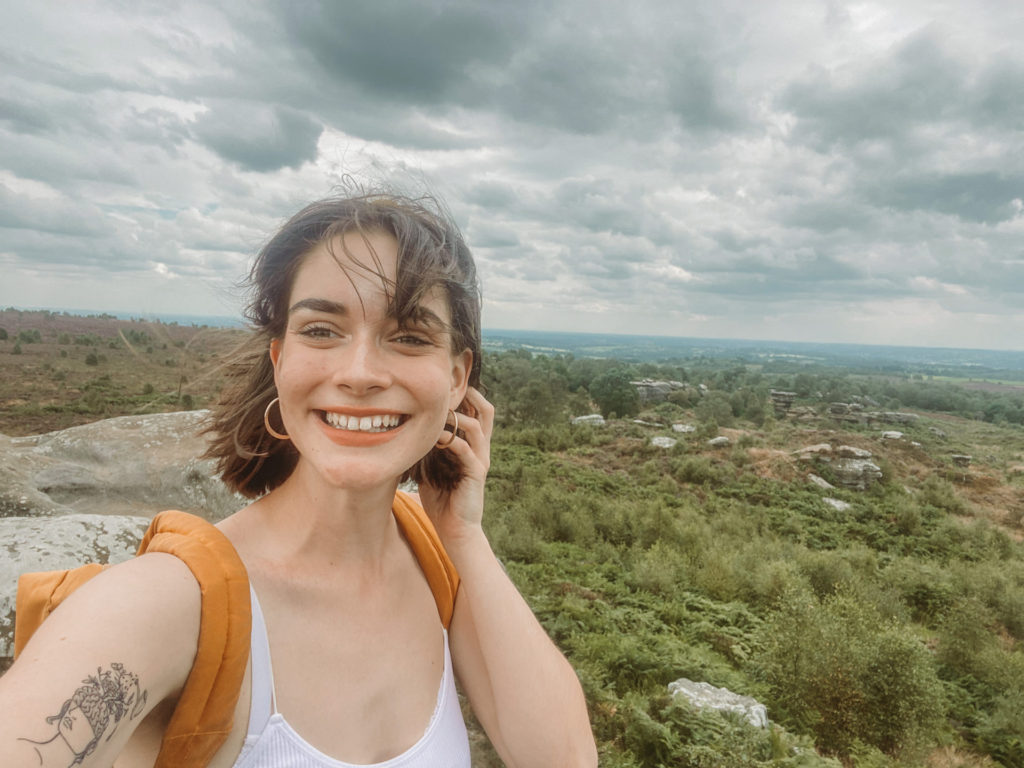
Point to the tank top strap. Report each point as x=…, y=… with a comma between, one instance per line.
x=263, y=699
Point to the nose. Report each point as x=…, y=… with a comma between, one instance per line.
x=362, y=367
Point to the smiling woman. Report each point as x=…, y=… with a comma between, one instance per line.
x=362, y=371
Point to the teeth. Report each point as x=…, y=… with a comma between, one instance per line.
x=380, y=422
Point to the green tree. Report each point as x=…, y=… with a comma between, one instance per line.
x=613, y=393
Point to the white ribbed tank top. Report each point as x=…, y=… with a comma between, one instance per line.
x=270, y=742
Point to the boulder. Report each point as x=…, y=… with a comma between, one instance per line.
x=595, y=419
x=837, y=504
x=821, y=482
x=50, y=544
x=811, y=452
x=663, y=442
x=892, y=435
x=651, y=391
x=852, y=452
x=719, y=442
x=858, y=474
x=684, y=428
x=134, y=465
x=707, y=696
x=961, y=460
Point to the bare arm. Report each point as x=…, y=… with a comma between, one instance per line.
x=523, y=691
x=116, y=648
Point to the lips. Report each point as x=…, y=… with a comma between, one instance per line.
x=361, y=427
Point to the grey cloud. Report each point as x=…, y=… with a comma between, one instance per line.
x=918, y=83
x=982, y=196
x=23, y=117
x=417, y=53
x=257, y=137
x=54, y=216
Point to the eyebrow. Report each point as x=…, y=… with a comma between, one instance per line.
x=420, y=315
x=319, y=305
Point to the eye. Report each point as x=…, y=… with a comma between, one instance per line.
x=317, y=331
x=413, y=339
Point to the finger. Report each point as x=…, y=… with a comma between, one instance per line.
x=484, y=409
x=471, y=439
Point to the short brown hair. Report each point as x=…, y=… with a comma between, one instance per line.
x=431, y=254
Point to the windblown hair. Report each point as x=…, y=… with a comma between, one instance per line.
x=431, y=254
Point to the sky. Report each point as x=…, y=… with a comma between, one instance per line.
x=799, y=171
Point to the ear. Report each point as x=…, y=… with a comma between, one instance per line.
x=462, y=364
x=275, y=353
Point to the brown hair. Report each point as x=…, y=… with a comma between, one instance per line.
x=431, y=253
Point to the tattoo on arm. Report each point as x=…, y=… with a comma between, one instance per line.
x=92, y=713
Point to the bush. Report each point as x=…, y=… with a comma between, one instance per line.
x=17, y=349
x=3, y=334
x=838, y=669
x=92, y=359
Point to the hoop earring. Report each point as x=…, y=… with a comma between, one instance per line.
x=455, y=428
x=266, y=421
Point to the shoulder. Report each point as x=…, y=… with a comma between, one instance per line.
x=148, y=608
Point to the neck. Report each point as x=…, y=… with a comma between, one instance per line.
x=308, y=524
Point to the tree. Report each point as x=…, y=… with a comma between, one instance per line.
x=613, y=393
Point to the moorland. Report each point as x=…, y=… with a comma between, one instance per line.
x=883, y=630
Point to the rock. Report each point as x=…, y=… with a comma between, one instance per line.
x=782, y=401
x=821, y=482
x=838, y=504
x=135, y=465
x=937, y=432
x=651, y=391
x=916, y=444
x=856, y=473
x=719, y=442
x=684, y=428
x=50, y=544
x=663, y=442
x=961, y=460
x=892, y=435
x=595, y=419
x=811, y=452
x=705, y=695
x=643, y=423
x=852, y=452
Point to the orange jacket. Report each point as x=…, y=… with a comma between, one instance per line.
x=204, y=713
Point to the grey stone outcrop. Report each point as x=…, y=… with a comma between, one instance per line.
x=50, y=544
x=87, y=494
x=663, y=442
x=707, y=696
x=594, y=419
x=135, y=465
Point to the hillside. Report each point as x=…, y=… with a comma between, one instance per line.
x=880, y=625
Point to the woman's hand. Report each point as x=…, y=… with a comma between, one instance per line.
x=457, y=514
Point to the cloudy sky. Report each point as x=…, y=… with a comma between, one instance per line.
x=822, y=171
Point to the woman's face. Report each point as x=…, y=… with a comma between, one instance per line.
x=362, y=398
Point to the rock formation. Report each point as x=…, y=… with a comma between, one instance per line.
x=651, y=391
x=705, y=695
x=86, y=494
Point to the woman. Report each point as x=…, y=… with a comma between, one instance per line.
x=364, y=371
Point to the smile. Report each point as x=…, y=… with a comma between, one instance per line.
x=378, y=422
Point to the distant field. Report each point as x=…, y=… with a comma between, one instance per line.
x=983, y=385
x=62, y=370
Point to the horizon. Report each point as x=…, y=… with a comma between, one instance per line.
x=238, y=321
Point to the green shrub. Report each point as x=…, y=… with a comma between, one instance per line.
x=839, y=670
x=17, y=349
x=92, y=359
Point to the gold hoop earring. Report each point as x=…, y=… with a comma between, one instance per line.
x=266, y=421
x=455, y=428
